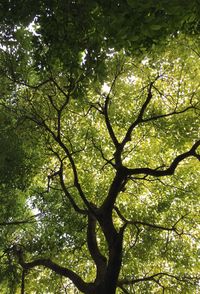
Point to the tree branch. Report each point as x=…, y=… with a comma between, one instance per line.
x=75, y=173
x=171, y=169
x=30, y=220
x=60, y=270
x=57, y=138
x=69, y=156
x=118, y=72
x=139, y=119
x=168, y=114
x=66, y=95
x=95, y=253
x=63, y=186
x=153, y=226
x=23, y=83
x=69, y=196
x=124, y=290
x=152, y=278
x=108, y=123
x=108, y=161
x=23, y=281
x=116, y=186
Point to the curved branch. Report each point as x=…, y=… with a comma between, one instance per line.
x=24, y=83
x=69, y=196
x=139, y=119
x=57, y=139
x=66, y=95
x=63, y=186
x=108, y=123
x=116, y=186
x=108, y=161
x=73, y=166
x=171, y=169
x=60, y=270
x=152, y=278
x=150, y=225
x=167, y=114
x=105, y=108
x=76, y=180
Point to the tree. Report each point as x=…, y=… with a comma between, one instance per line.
x=110, y=151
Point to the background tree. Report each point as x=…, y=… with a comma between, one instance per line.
x=104, y=150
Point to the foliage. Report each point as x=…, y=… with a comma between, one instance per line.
x=63, y=30
x=100, y=147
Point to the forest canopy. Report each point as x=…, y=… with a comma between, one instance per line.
x=99, y=146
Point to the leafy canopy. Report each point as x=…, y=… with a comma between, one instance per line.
x=100, y=147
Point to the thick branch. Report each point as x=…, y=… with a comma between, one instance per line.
x=65, y=272
x=104, y=214
x=171, y=169
x=98, y=258
x=108, y=123
x=116, y=186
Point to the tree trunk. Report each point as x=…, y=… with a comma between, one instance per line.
x=109, y=284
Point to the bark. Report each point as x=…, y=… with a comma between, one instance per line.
x=99, y=260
